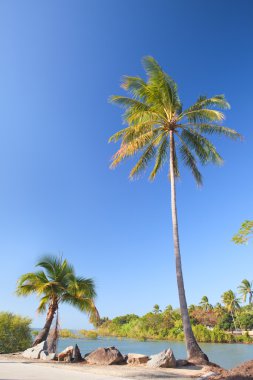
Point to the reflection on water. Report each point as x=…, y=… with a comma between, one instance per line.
x=226, y=355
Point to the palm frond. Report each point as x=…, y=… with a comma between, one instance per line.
x=43, y=303
x=164, y=89
x=136, y=86
x=204, y=149
x=190, y=161
x=202, y=115
x=143, y=161
x=133, y=146
x=161, y=157
x=215, y=101
x=213, y=129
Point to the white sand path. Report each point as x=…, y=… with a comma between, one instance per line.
x=15, y=368
x=31, y=371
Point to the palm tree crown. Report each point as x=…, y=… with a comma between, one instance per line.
x=245, y=289
x=230, y=301
x=57, y=283
x=153, y=110
x=204, y=303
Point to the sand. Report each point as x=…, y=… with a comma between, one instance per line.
x=14, y=367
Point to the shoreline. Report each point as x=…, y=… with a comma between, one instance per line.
x=148, y=339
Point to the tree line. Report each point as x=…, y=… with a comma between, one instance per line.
x=226, y=321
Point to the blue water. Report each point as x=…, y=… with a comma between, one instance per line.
x=226, y=355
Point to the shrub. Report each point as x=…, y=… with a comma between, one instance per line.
x=15, y=333
x=89, y=334
x=65, y=333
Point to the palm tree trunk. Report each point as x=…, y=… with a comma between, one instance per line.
x=233, y=318
x=43, y=334
x=194, y=352
x=250, y=298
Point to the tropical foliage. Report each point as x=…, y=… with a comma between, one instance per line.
x=15, y=333
x=245, y=232
x=210, y=323
x=57, y=283
x=245, y=289
x=160, y=130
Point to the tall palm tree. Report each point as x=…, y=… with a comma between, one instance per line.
x=160, y=129
x=204, y=303
x=57, y=283
x=245, y=289
x=231, y=302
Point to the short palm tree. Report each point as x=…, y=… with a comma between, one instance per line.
x=57, y=283
x=218, y=309
x=231, y=303
x=159, y=129
x=204, y=303
x=245, y=289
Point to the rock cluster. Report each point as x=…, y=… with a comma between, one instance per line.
x=104, y=356
x=39, y=352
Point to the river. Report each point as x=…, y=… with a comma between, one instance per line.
x=226, y=355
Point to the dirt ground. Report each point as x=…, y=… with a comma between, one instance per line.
x=242, y=372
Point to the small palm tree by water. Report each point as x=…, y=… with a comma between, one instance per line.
x=57, y=283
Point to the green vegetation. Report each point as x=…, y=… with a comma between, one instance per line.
x=90, y=334
x=210, y=323
x=65, y=333
x=245, y=289
x=159, y=129
x=15, y=333
x=57, y=283
x=244, y=233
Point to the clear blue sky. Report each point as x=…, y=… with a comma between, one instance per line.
x=60, y=60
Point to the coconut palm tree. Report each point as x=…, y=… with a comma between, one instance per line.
x=231, y=303
x=204, y=303
x=159, y=129
x=218, y=309
x=245, y=289
x=57, y=283
x=156, y=309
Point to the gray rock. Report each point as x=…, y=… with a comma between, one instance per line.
x=137, y=359
x=105, y=356
x=164, y=359
x=182, y=362
x=45, y=355
x=77, y=354
x=34, y=352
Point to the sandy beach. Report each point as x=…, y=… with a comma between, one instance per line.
x=14, y=367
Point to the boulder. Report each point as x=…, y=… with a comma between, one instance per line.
x=66, y=355
x=77, y=354
x=164, y=359
x=182, y=362
x=105, y=356
x=34, y=352
x=45, y=355
x=137, y=359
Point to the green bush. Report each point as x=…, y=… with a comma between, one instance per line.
x=65, y=333
x=90, y=334
x=15, y=333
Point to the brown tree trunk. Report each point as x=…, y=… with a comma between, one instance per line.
x=43, y=334
x=194, y=352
